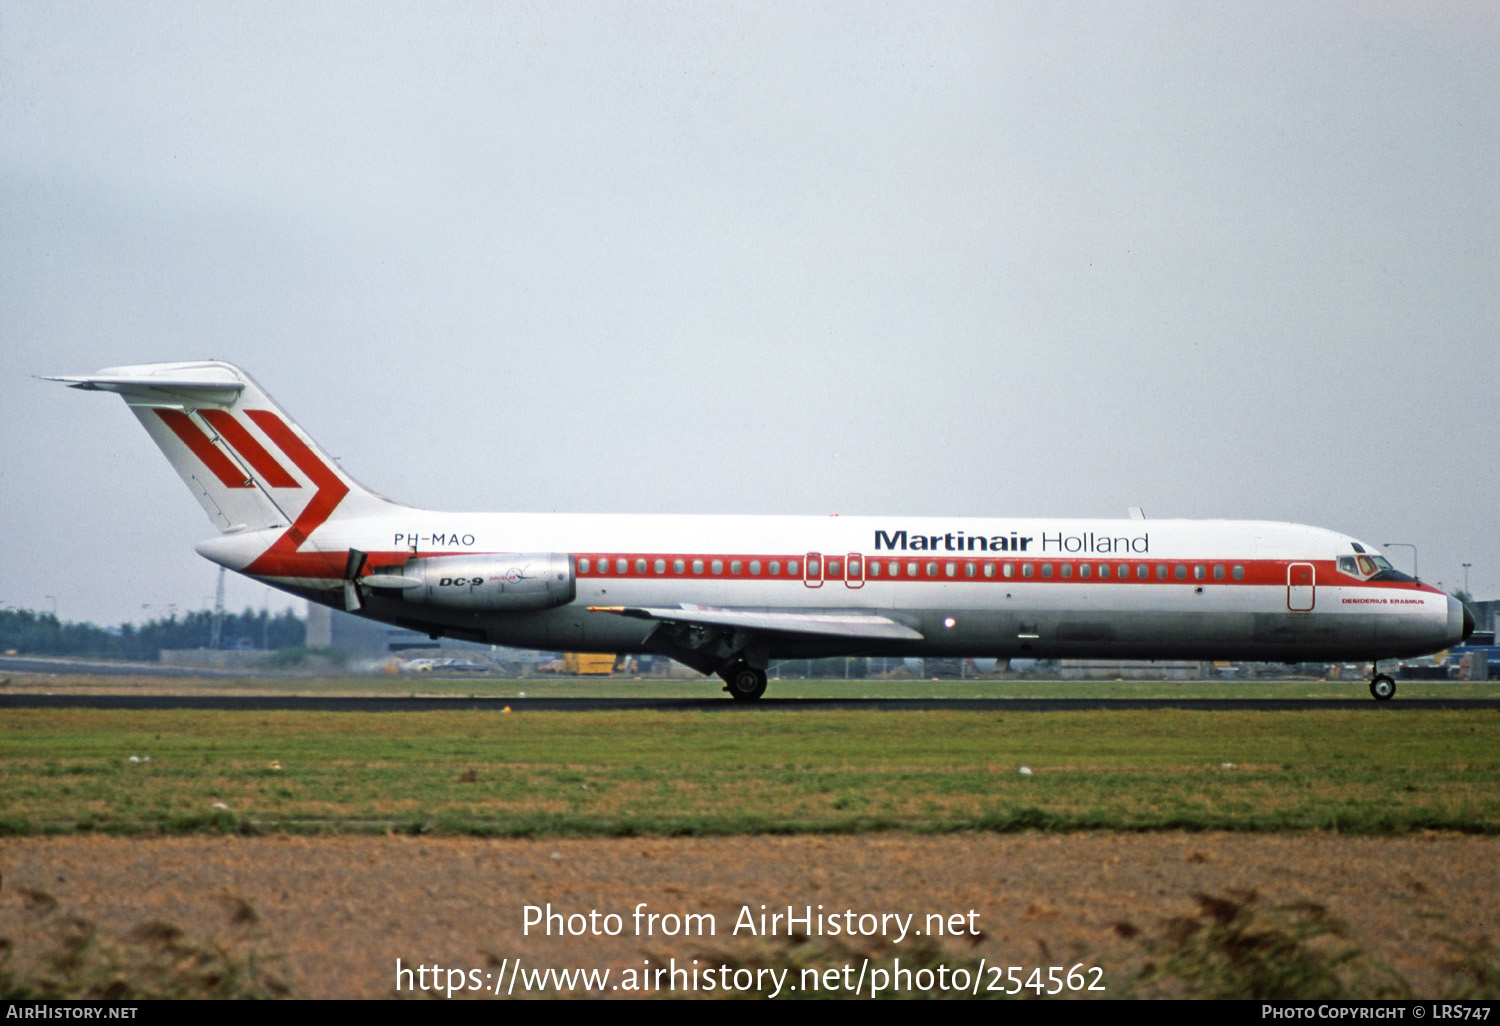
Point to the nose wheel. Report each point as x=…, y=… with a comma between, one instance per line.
x=1382, y=687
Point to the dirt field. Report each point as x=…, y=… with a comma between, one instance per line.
x=342, y=910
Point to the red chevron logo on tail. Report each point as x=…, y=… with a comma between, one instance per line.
x=284, y=558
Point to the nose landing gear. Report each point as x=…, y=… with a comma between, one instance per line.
x=1382, y=687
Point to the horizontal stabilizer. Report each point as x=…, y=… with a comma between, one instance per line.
x=184, y=390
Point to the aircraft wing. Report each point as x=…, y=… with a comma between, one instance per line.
x=864, y=626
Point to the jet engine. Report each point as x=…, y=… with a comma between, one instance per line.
x=513, y=581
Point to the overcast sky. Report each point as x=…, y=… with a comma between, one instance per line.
x=1217, y=260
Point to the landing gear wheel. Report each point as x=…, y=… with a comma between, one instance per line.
x=744, y=683
x=1382, y=687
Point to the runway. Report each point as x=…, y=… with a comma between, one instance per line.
x=119, y=668
x=293, y=703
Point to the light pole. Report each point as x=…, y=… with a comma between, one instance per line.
x=1466, y=577
x=1408, y=545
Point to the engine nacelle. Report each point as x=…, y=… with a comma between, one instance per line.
x=512, y=581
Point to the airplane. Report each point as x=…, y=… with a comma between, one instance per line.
x=726, y=595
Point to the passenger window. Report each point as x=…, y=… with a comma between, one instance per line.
x=1199, y=573
x=697, y=566
x=932, y=570
x=640, y=566
x=678, y=566
x=755, y=568
x=834, y=568
x=1218, y=573
x=875, y=568
x=622, y=566
x=814, y=567
x=951, y=569
x=1161, y=571
x=718, y=566
x=1028, y=569
x=1142, y=571
x=1239, y=573
x=583, y=565
x=1067, y=569
x=894, y=568
x=1046, y=569
x=1103, y=571
x=661, y=566
x=736, y=567
x=989, y=569
x=911, y=569
x=1180, y=572
x=792, y=566
x=1084, y=570
x=854, y=568
x=1010, y=570
x=776, y=568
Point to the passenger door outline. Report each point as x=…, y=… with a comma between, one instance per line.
x=1301, y=587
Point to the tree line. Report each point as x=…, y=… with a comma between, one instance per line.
x=28, y=632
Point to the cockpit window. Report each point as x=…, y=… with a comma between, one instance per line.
x=1370, y=566
x=1378, y=568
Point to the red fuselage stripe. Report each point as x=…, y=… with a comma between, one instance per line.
x=1258, y=572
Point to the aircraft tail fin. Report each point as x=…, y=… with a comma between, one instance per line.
x=247, y=463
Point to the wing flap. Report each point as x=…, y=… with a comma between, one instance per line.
x=864, y=626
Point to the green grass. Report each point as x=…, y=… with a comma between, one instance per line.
x=749, y=771
x=485, y=686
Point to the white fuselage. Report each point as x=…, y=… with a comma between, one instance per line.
x=1149, y=589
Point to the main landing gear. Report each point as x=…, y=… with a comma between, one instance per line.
x=745, y=683
x=1382, y=687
